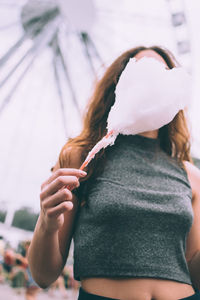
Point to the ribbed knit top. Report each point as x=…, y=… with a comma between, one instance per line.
x=137, y=215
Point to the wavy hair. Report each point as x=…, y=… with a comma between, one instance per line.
x=174, y=137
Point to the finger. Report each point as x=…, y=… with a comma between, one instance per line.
x=63, y=172
x=59, y=183
x=60, y=209
x=56, y=199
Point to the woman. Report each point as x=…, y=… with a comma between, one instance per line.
x=120, y=254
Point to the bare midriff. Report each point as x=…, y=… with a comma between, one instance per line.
x=137, y=288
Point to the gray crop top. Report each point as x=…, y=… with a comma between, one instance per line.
x=137, y=215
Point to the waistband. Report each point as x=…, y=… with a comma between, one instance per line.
x=83, y=295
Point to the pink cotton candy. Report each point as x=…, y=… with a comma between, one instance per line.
x=148, y=96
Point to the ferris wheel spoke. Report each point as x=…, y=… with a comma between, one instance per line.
x=94, y=49
x=84, y=42
x=43, y=39
x=66, y=72
x=18, y=64
x=60, y=94
x=14, y=88
x=59, y=89
x=39, y=43
x=90, y=51
x=12, y=50
x=18, y=44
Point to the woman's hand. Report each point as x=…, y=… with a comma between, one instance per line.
x=56, y=197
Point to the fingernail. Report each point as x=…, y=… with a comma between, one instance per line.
x=82, y=173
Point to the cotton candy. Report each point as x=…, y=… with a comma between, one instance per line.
x=147, y=97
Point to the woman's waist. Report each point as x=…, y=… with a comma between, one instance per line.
x=137, y=288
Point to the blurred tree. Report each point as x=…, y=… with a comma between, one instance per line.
x=25, y=218
x=197, y=162
x=2, y=215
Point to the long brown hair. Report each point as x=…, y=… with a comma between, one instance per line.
x=174, y=137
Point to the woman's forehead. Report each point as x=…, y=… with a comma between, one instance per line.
x=150, y=53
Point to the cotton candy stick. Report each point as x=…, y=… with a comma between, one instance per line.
x=109, y=139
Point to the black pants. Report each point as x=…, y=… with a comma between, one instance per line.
x=86, y=296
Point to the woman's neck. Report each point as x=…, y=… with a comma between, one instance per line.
x=151, y=134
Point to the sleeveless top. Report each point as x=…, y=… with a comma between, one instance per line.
x=137, y=215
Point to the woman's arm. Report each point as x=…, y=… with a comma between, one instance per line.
x=53, y=232
x=193, y=240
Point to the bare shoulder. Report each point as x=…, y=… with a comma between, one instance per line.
x=194, y=177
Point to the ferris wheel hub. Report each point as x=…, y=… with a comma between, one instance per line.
x=77, y=14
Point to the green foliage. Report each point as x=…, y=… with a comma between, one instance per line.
x=25, y=219
x=2, y=215
x=197, y=162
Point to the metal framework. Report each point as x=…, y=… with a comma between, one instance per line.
x=180, y=30
x=42, y=24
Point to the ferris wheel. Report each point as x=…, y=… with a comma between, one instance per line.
x=52, y=52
